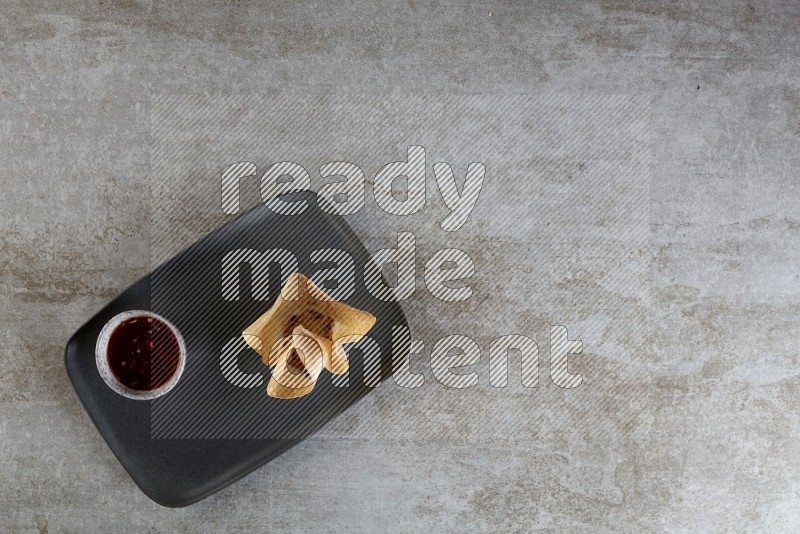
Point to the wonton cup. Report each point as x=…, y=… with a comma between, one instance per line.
x=302, y=333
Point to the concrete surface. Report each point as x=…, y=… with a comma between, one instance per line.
x=687, y=420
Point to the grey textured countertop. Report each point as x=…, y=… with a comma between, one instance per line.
x=688, y=418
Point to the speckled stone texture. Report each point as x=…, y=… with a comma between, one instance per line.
x=688, y=419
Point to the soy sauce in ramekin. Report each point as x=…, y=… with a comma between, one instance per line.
x=143, y=353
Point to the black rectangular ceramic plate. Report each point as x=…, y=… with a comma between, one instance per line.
x=216, y=432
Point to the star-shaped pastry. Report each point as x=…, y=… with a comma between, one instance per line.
x=302, y=333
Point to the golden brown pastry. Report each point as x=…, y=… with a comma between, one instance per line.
x=297, y=336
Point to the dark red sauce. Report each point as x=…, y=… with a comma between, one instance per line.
x=143, y=353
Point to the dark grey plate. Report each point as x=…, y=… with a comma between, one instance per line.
x=207, y=433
